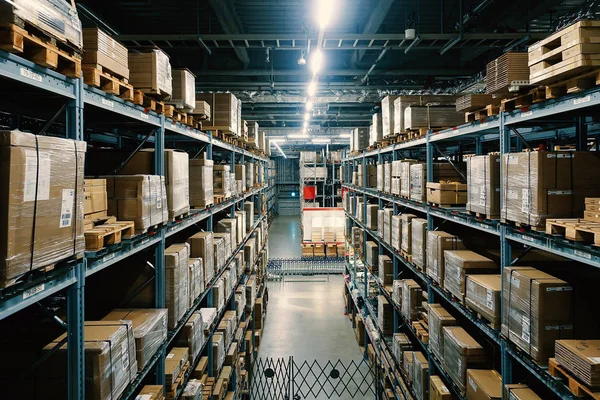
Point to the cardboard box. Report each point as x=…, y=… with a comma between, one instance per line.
x=483, y=185
x=412, y=295
x=372, y=210
x=419, y=242
x=240, y=175
x=520, y=392
x=446, y=193
x=437, y=243
x=416, y=117
x=192, y=336
x=437, y=389
x=460, y=263
x=360, y=139
x=376, y=132
x=406, y=241
x=201, y=246
x=461, y=352
x=396, y=229
x=441, y=172
x=225, y=113
x=402, y=102
x=176, y=282
x=95, y=199
x=386, y=269
x=201, y=183
x=372, y=255
x=420, y=376
x=151, y=71
x=387, y=115
x=174, y=363
x=537, y=310
x=581, y=358
x=201, y=110
x=149, y=330
x=102, y=50
x=152, y=392
x=541, y=185
x=484, y=384
x=385, y=315
x=483, y=296
x=438, y=317
x=221, y=180
x=405, y=177
x=184, y=89
x=35, y=234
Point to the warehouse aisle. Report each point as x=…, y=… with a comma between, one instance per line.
x=305, y=315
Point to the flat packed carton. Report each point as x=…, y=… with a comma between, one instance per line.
x=520, y=392
x=437, y=243
x=221, y=180
x=184, y=89
x=41, y=216
x=460, y=263
x=176, y=282
x=483, y=296
x=483, y=185
x=101, y=50
x=201, y=110
x=484, y=384
x=537, y=310
x=201, y=246
x=95, y=200
x=438, y=390
x=224, y=112
x=438, y=318
x=581, y=358
x=201, y=183
x=461, y=352
x=151, y=72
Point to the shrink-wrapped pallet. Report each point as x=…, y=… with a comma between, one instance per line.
x=218, y=344
x=400, y=344
x=360, y=139
x=510, y=69
x=405, y=177
x=201, y=246
x=380, y=223
x=308, y=157
x=437, y=243
x=150, y=71
x=419, y=242
x=249, y=209
x=176, y=282
x=220, y=243
x=101, y=50
x=397, y=291
x=412, y=295
x=201, y=183
x=539, y=184
x=192, y=335
x=223, y=112
x=417, y=117
x=184, y=89
x=420, y=376
x=380, y=178
x=537, y=309
x=396, y=235
x=483, y=185
x=221, y=178
x=458, y=264
x=42, y=214
x=253, y=134
x=229, y=225
x=376, y=133
x=418, y=178
x=218, y=294
x=406, y=241
x=387, y=225
x=386, y=269
x=461, y=352
x=387, y=115
x=402, y=102
x=438, y=317
x=387, y=177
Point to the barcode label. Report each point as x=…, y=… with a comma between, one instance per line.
x=31, y=75
x=525, y=335
x=108, y=257
x=33, y=291
x=66, y=209
x=582, y=100
x=526, y=114
x=489, y=299
x=125, y=355
x=582, y=254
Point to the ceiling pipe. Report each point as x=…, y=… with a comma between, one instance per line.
x=364, y=78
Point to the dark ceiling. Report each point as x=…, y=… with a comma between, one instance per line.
x=226, y=42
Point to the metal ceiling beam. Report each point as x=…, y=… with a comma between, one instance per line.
x=380, y=11
x=338, y=72
x=225, y=11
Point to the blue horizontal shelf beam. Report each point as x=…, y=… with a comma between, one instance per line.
x=108, y=102
x=24, y=71
x=98, y=264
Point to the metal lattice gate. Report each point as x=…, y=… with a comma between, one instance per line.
x=280, y=268
x=288, y=379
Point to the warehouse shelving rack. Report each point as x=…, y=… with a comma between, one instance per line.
x=77, y=99
x=558, y=121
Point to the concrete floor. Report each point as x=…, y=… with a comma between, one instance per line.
x=285, y=237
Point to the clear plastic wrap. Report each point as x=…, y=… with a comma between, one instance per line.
x=376, y=133
x=380, y=223
x=218, y=343
x=537, y=310
x=192, y=335
x=438, y=317
x=396, y=169
x=218, y=293
x=221, y=177
x=407, y=365
x=483, y=185
x=385, y=315
x=229, y=225
x=400, y=344
x=418, y=177
x=540, y=185
x=396, y=230
x=372, y=255
x=416, y=117
x=461, y=352
x=437, y=243
x=240, y=302
x=397, y=292
x=406, y=241
x=420, y=376
x=138, y=198
x=419, y=242
x=233, y=185
x=405, y=177
x=395, y=186
x=107, y=355
x=225, y=328
x=201, y=183
x=209, y=315
x=249, y=253
x=249, y=208
x=386, y=269
x=402, y=102
x=387, y=177
x=176, y=282
x=201, y=246
x=184, y=89
x=42, y=213
x=360, y=209
x=483, y=296
x=195, y=278
x=57, y=18
x=313, y=172
x=360, y=139
x=174, y=364
x=387, y=115
x=249, y=175
x=380, y=177
x=372, y=210
x=151, y=70
x=149, y=330
x=240, y=217
x=387, y=225
x=308, y=157
x=219, y=245
x=412, y=295
x=100, y=49
x=193, y=390
x=458, y=264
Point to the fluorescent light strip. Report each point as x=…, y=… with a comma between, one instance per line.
x=282, y=153
x=298, y=136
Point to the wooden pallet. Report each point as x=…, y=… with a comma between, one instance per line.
x=147, y=102
x=573, y=85
x=575, y=229
x=523, y=100
x=438, y=205
x=483, y=216
x=42, y=51
x=107, y=234
x=180, y=216
x=421, y=330
x=492, y=324
x=520, y=225
x=218, y=198
x=172, y=390
x=406, y=256
x=93, y=75
x=575, y=386
x=478, y=115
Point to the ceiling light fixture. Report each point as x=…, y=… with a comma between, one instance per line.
x=306, y=116
x=316, y=62
x=302, y=60
x=321, y=140
x=312, y=88
x=309, y=105
x=325, y=10
x=298, y=136
x=277, y=140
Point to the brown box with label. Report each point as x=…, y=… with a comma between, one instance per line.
x=483, y=185
x=438, y=390
x=437, y=243
x=101, y=50
x=458, y=264
x=438, y=317
x=541, y=185
x=152, y=392
x=446, y=193
x=483, y=296
x=461, y=352
x=174, y=363
x=537, y=310
x=484, y=384
x=42, y=206
x=420, y=376
x=94, y=196
x=201, y=183
x=581, y=358
x=519, y=391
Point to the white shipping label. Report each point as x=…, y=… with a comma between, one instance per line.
x=526, y=329
x=36, y=178
x=444, y=389
x=143, y=397
x=512, y=194
x=125, y=355
x=482, y=197
x=525, y=205
x=514, y=281
x=66, y=208
x=510, y=159
x=170, y=355
x=489, y=302
x=460, y=371
x=472, y=384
